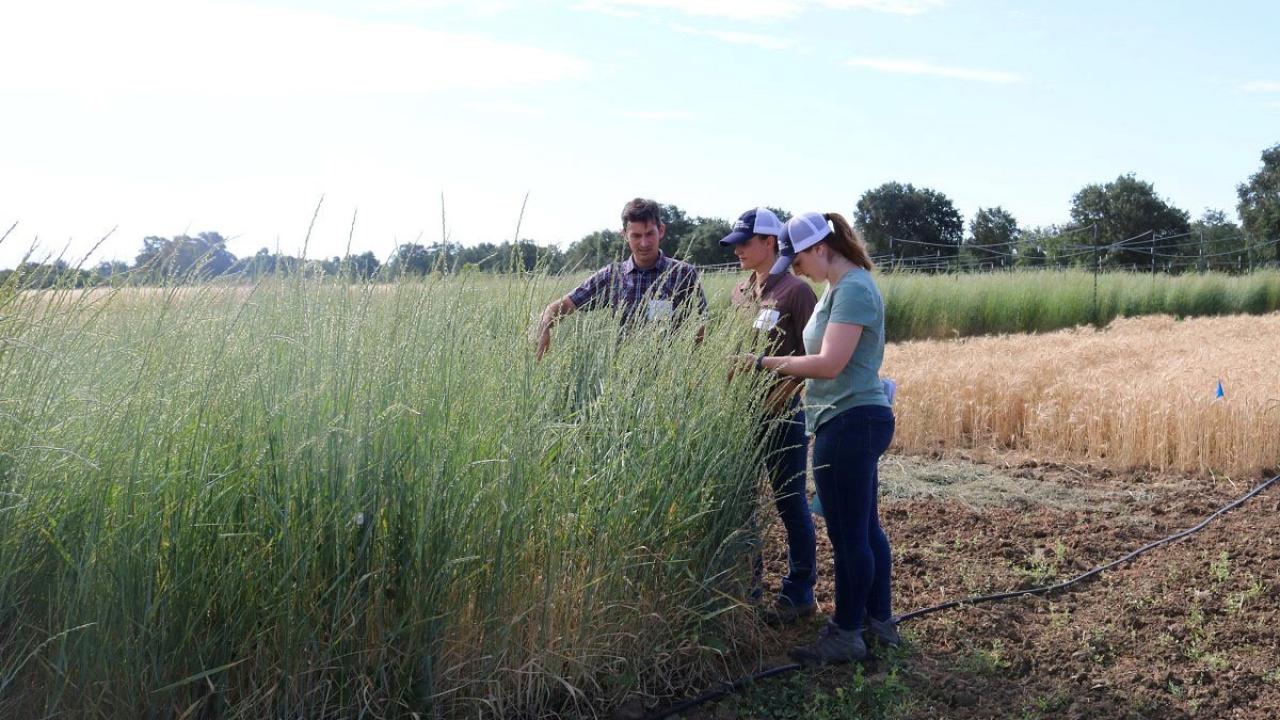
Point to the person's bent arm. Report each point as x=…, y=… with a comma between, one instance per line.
x=838, y=344
x=550, y=316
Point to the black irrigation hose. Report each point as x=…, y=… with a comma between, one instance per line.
x=1101, y=568
x=738, y=684
x=727, y=688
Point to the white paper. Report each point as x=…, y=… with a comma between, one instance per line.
x=767, y=319
x=659, y=309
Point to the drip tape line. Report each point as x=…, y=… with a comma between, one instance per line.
x=736, y=685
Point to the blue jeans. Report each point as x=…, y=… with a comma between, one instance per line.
x=846, y=451
x=786, y=452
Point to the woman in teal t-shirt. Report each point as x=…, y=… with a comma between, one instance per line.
x=848, y=415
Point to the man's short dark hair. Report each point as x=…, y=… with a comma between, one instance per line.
x=641, y=210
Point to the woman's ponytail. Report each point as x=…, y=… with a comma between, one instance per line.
x=845, y=241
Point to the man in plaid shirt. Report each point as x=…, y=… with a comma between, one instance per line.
x=646, y=286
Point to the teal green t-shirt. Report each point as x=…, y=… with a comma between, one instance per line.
x=855, y=300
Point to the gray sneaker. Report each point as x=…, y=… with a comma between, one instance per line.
x=832, y=646
x=884, y=632
x=785, y=612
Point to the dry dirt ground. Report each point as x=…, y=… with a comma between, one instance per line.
x=1191, y=629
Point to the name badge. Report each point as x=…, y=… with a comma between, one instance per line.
x=659, y=309
x=767, y=319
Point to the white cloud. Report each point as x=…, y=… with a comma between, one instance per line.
x=1261, y=86
x=411, y=4
x=488, y=8
x=507, y=108
x=757, y=10
x=893, y=7
x=768, y=42
x=194, y=46
x=657, y=115
x=922, y=67
x=604, y=7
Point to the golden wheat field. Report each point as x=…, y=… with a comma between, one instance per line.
x=1137, y=393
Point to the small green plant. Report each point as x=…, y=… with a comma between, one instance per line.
x=1220, y=569
x=1042, y=568
x=1046, y=706
x=781, y=698
x=1236, y=601
x=985, y=660
x=1098, y=646
x=798, y=697
x=1195, y=616
x=858, y=698
x=1200, y=637
x=1059, y=617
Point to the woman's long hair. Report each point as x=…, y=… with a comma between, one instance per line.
x=845, y=241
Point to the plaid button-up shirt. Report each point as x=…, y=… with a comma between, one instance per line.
x=628, y=290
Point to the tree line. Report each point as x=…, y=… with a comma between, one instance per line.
x=1121, y=224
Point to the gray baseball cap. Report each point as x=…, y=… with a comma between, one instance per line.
x=756, y=221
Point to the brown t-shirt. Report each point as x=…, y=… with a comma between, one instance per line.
x=782, y=310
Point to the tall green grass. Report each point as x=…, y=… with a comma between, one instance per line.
x=920, y=306
x=924, y=306
x=310, y=500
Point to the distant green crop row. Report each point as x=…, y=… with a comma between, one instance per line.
x=920, y=306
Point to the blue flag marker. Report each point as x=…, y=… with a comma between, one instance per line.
x=1219, y=392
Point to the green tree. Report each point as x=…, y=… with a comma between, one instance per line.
x=363, y=266
x=909, y=223
x=40, y=275
x=255, y=266
x=1259, y=205
x=679, y=227
x=595, y=250
x=1133, y=221
x=483, y=256
x=184, y=256
x=524, y=256
x=783, y=215
x=106, y=269
x=993, y=237
x=1038, y=247
x=1220, y=243
x=410, y=259
x=702, y=245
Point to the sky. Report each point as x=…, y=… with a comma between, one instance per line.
x=409, y=120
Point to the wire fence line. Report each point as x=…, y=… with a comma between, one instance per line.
x=1192, y=251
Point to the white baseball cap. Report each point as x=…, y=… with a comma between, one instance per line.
x=799, y=234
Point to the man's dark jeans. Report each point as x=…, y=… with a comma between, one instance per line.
x=846, y=452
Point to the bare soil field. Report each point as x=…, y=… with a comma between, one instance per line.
x=1191, y=629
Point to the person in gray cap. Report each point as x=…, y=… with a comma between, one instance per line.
x=851, y=422
x=779, y=307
